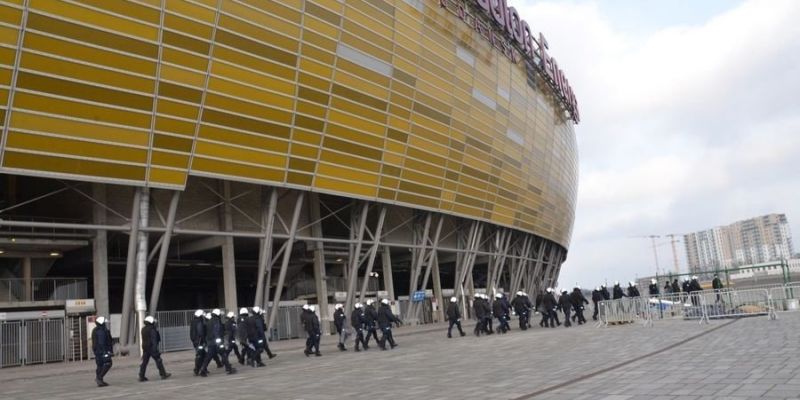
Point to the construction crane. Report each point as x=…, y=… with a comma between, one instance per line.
x=676, y=265
x=655, y=252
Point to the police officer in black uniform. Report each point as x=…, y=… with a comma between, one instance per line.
x=653, y=288
x=215, y=333
x=597, y=297
x=103, y=349
x=371, y=316
x=578, y=301
x=565, y=305
x=340, y=322
x=150, y=341
x=716, y=284
x=311, y=325
x=197, y=333
x=549, y=303
x=232, y=336
x=453, y=317
x=604, y=292
x=617, y=291
x=479, y=310
x=385, y=320
x=500, y=311
x=248, y=356
x=261, y=331
x=358, y=322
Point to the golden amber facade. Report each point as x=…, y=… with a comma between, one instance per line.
x=396, y=101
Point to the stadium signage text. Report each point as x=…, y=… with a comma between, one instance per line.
x=512, y=36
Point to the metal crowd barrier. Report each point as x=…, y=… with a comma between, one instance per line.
x=702, y=305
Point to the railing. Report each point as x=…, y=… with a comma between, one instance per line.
x=43, y=289
x=702, y=306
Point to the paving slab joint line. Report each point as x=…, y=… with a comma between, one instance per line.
x=620, y=364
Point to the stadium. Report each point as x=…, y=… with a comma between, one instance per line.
x=169, y=155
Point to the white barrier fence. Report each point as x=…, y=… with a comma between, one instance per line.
x=701, y=306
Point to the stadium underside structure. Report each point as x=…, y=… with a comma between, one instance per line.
x=208, y=153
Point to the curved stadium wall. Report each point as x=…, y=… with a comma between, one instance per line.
x=398, y=102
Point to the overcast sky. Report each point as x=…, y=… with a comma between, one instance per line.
x=690, y=119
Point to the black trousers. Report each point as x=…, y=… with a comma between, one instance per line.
x=579, y=314
x=199, y=358
x=457, y=323
x=255, y=351
x=103, y=365
x=371, y=332
x=596, y=309
x=213, y=353
x=502, y=324
x=554, y=318
x=387, y=336
x=235, y=348
x=156, y=356
x=360, y=338
x=566, y=316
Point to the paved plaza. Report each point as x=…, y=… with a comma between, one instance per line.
x=728, y=359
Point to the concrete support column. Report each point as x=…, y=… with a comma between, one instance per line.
x=388, y=280
x=141, y=264
x=130, y=272
x=26, y=279
x=319, y=263
x=437, y=289
x=100, y=252
x=228, y=256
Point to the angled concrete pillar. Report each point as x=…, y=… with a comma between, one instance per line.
x=319, y=262
x=228, y=255
x=388, y=280
x=100, y=252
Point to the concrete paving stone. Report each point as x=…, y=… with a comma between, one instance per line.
x=748, y=359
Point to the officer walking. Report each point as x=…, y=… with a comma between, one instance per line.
x=617, y=291
x=597, y=297
x=358, y=322
x=232, y=337
x=340, y=321
x=215, y=333
x=311, y=325
x=197, y=333
x=150, y=341
x=254, y=348
x=578, y=300
x=248, y=356
x=477, y=307
x=716, y=284
x=676, y=288
x=487, y=314
x=550, y=304
x=604, y=292
x=385, y=320
x=453, y=317
x=631, y=290
x=103, y=350
x=653, y=288
x=565, y=305
x=371, y=321
x=261, y=331
x=500, y=310
x=539, y=306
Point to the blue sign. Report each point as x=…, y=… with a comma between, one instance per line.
x=419, y=296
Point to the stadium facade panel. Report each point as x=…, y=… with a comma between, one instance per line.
x=395, y=101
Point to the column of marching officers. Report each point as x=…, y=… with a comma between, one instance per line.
x=214, y=339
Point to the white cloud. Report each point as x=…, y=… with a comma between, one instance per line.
x=684, y=128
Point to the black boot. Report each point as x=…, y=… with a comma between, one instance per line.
x=143, y=379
